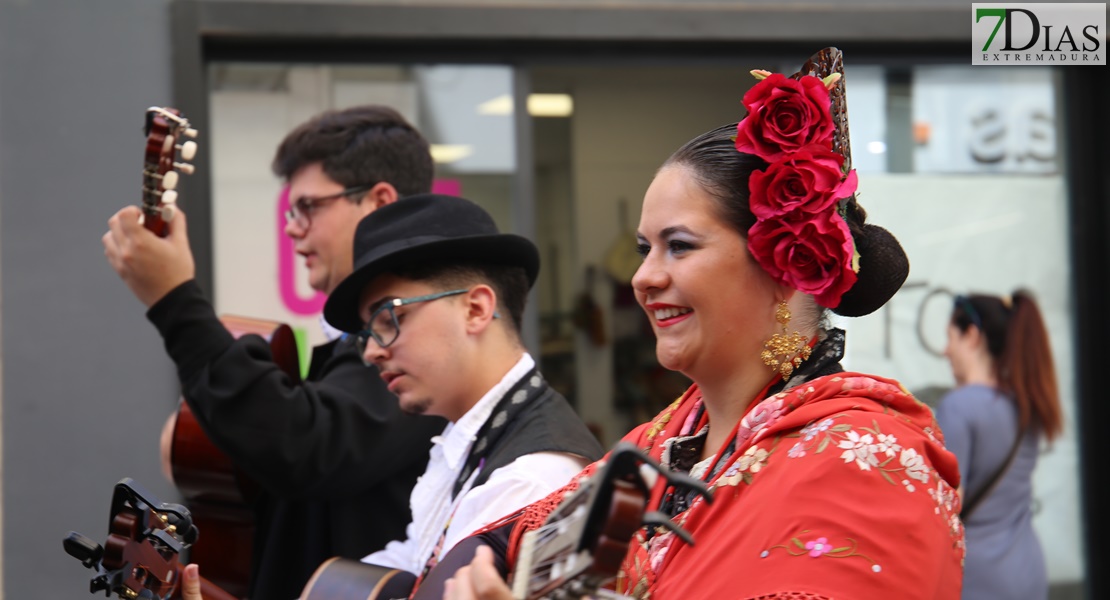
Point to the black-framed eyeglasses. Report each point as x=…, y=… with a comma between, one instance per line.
x=383, y=326
x=301, y=210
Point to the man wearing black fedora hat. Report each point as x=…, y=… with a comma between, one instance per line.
x=334, y=455
x=436, y=301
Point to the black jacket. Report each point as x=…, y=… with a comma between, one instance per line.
x=336, y=457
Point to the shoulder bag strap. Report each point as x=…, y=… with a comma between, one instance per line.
x=974, y=502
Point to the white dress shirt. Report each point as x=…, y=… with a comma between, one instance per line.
x=521, y=482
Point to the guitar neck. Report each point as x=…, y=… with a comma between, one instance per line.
x=152, y=220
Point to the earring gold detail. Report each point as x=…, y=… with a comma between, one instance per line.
x=785, y=351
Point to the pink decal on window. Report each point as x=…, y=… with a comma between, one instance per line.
x=447, y=187
x=287, y=284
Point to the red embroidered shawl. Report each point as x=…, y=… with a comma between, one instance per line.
x=838, y=488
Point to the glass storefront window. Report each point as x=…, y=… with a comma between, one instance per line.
x=983, y=210
x=464, y=111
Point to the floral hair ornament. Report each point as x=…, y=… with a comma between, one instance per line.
x=800, y=236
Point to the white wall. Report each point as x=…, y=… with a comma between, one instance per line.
x=627, y=122
x=990, y=234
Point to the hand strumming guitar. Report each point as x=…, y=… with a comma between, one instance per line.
x=477, y=581
x=150, y=265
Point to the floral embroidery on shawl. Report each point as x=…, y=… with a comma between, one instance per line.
x=839, y=438
x=818, y=547
x=663, y=419
x=868, y=448
x=870, y=428
x=745, y=468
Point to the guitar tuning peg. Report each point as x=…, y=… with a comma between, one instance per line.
x=169, y=197
x=169, y=180
x=83, y=549
x=190, y=132
x=185, y=168
x=188, y=150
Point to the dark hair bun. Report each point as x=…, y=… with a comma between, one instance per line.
x=883, y=267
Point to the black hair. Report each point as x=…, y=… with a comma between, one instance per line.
x=363, y=145
x=723, y=171
x=509, y=283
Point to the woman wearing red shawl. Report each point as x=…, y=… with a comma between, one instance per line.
x=826, y=484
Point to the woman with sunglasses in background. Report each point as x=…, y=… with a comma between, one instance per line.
x=1006, y=401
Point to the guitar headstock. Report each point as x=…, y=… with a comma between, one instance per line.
x=140, y=557
x=165, y=129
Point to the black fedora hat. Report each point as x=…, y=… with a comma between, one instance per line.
x=424, y=229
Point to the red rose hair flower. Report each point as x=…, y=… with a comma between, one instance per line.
x=785, y=115
x=812, y=254
x=799, y=237
x=809, y=180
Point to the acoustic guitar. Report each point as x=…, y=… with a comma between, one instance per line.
x=217, y=493
x=139, y=559
x=577, y=550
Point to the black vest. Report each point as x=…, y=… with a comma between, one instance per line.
x=540, y=420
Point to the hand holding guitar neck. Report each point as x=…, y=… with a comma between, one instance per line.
x=152, y=265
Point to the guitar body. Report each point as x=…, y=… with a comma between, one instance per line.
x=577, y=551
x=218, y=494
x=346, y=579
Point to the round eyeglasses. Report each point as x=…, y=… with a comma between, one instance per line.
x=383, y=326
x=301, y=210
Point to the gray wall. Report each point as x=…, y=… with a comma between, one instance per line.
x=86, y=385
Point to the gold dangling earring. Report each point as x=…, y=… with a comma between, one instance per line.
x=786, y=345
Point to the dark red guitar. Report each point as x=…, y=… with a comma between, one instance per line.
x=216, y=491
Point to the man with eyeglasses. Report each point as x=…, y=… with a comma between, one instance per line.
x=436, y=301
x=335, y=456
